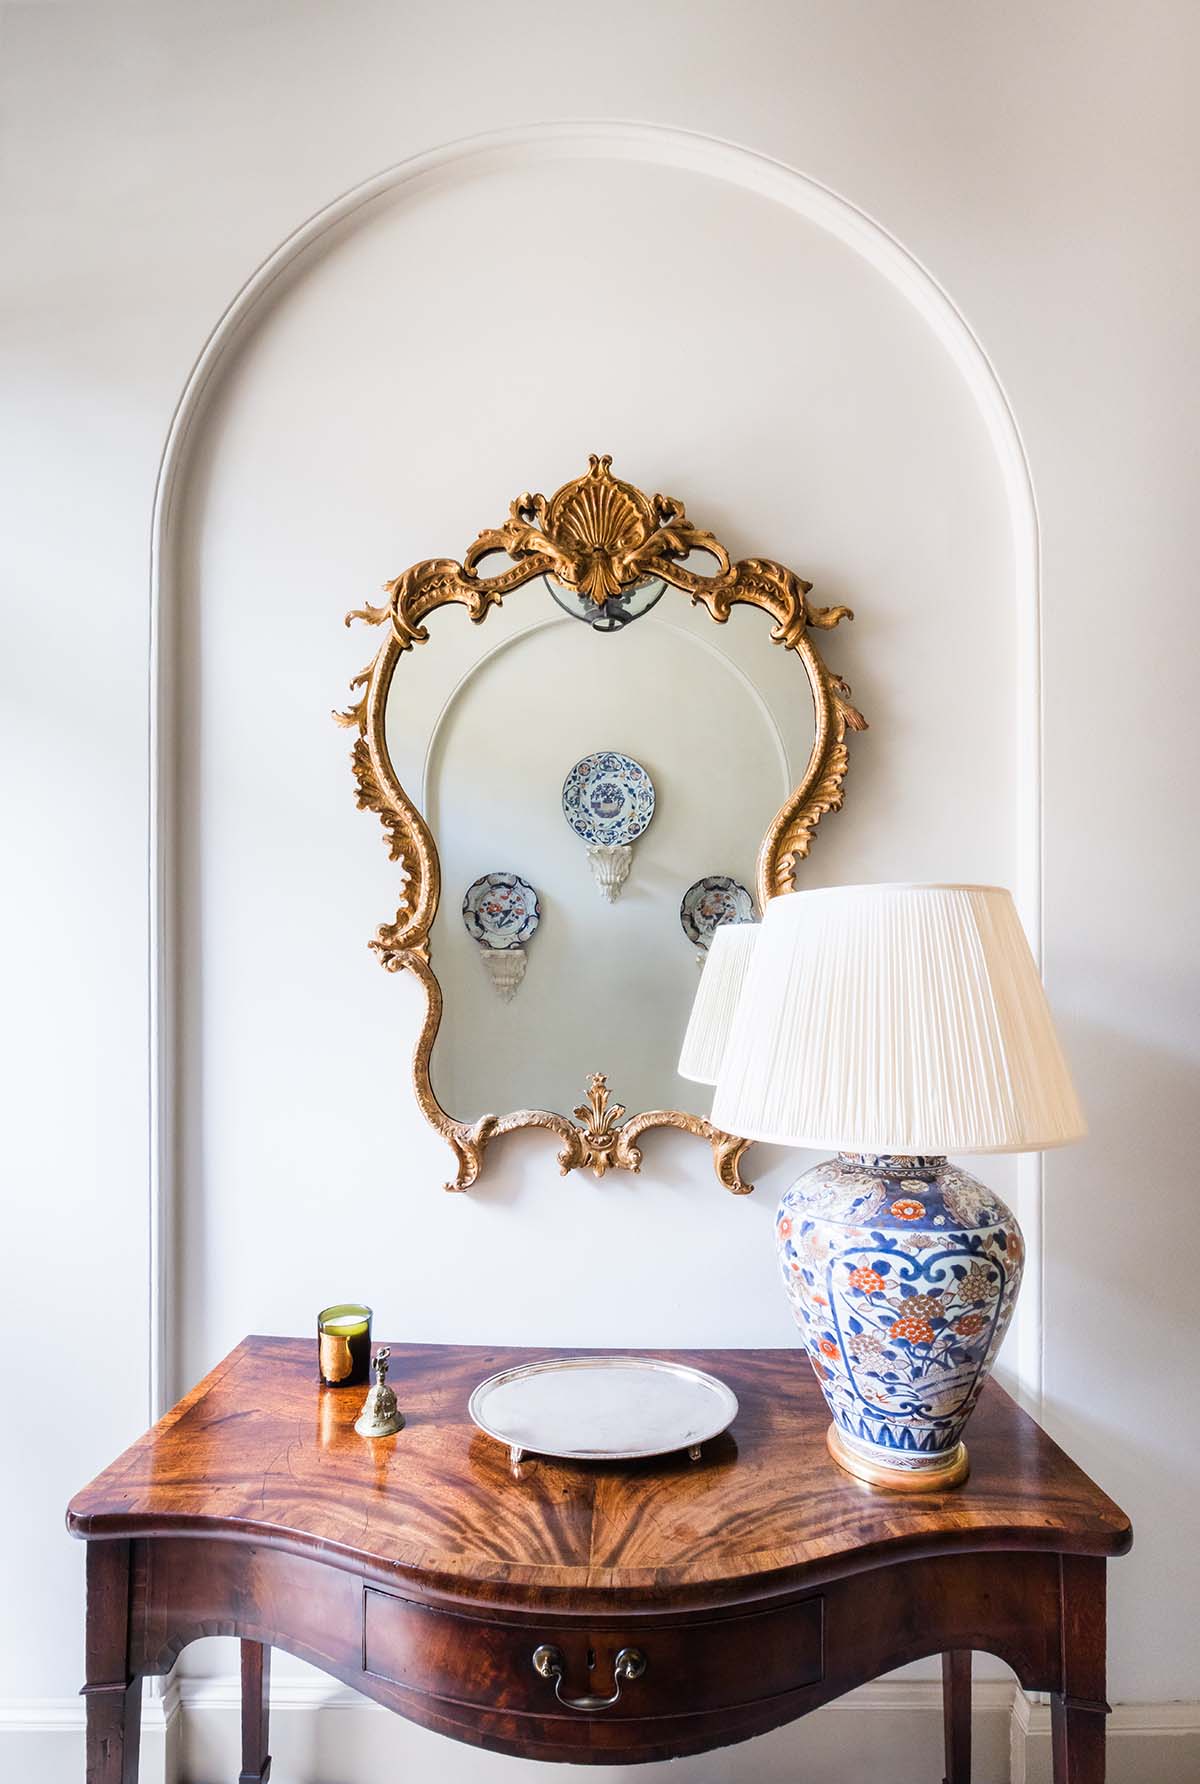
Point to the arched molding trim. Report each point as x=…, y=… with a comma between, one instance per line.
x=662, y=146
x=788, y=776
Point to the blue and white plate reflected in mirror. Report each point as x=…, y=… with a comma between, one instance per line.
x=501, y=911
x=710, y=902
x=608, y=798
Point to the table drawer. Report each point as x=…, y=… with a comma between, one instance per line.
x=692, y=1666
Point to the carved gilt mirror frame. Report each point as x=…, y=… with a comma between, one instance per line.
x=598, y=536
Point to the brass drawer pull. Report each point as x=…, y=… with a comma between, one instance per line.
x=548, y=1662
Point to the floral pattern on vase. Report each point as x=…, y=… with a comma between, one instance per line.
x=902, y=1275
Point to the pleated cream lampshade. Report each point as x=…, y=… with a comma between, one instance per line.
x=902, y=1019
x=725, y=969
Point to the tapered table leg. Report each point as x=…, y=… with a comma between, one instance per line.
x=1079, y=1710
x=256, y=1710
x=112, y=1694
x=956, y=1715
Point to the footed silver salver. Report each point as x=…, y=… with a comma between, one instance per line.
x=602, y=1408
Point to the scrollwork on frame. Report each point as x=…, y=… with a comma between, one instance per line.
x=598, y=536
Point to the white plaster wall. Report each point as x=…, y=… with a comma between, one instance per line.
x=1041, y=161
x=303, y=490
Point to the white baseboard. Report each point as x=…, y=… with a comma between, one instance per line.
x=1148, y=1743
x=325, y=1734
x=41, y=1738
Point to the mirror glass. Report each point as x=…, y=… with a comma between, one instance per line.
x=484, y=725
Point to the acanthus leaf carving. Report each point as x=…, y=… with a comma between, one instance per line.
x=600, y=536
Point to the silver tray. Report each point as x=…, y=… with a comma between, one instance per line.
x=602, y=1409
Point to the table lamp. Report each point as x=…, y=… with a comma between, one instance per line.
x=896, y=1024
x=721, y=981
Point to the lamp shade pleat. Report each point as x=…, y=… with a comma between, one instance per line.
x=725, y=967
x=901, y=1019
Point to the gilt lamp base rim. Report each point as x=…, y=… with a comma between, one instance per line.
x=936, y=1479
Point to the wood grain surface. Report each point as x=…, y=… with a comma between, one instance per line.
x=259, y=1451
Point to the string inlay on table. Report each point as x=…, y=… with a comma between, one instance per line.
x=684, y=1605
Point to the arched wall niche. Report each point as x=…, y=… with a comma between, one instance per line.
x=788, y=370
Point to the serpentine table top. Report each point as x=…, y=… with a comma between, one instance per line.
x=253, y=1508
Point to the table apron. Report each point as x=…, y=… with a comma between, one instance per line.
x=711, y=1677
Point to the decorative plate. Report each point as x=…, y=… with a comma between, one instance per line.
x=501, y=910
x=608, y=798
x=602, y=1409
x=711, y=902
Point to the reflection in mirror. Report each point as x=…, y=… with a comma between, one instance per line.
x=485, y=736
x=611, y=614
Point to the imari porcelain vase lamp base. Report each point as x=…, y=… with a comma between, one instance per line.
x=902, y=1274
x=897, y=1024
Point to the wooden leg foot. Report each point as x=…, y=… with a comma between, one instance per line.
x=956, y=1715
x=256, y=1710
x=1077, y=1741
x=114, y=1728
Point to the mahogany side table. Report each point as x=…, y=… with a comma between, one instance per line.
x=584, y=1613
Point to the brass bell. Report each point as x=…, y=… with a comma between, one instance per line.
x=380, y=1416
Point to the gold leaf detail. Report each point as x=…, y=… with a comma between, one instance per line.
x=600, y=535
x=596, y=522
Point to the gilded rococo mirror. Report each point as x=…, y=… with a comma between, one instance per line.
x=576, y=795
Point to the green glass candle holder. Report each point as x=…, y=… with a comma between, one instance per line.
x=344, y=1345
